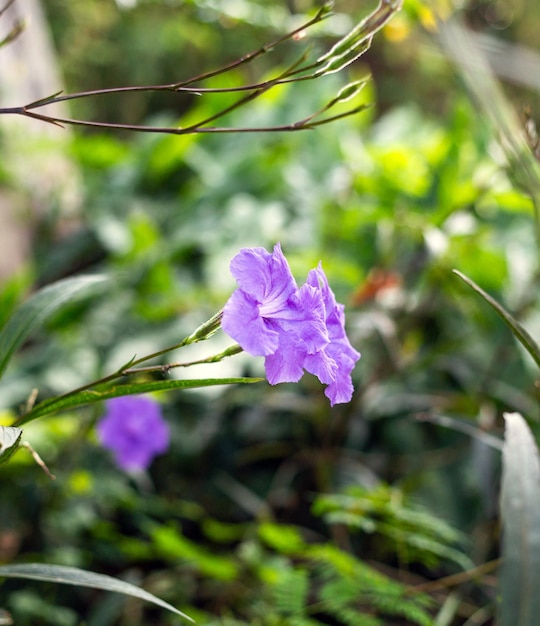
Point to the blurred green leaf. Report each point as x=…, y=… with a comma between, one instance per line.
x=38, y=308
x=284, y=539
x=170, y=542
x=462, y=48
x=91, y=396
x=520, y=510
x=81, y=578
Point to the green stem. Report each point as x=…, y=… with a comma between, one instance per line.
x=231, y=351
x=204, y=331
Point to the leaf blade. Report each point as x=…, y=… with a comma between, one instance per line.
x=83, y=578
x=519, y=579
x=38, y=308
x=521, y=334
x=82, y=398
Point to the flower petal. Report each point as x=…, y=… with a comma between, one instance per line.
x=242, y=321
x=339, y=350
x=340, y=391
x=322, y=366
x=286, y=364
x=266, y=277
x=310, y=323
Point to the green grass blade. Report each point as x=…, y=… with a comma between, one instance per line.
x=62, y=403
x=519, y=331
x=40, y=307
x=82, y=578
x=519, y=579
x=460, y=45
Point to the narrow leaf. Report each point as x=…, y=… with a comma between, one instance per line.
x=82, y=578
x=351, y=90
x=43, y=101
x=82, y=398
x=38, y=308
x=10, y=438
x=519, y=331
x=519, y=579
x=17, y=29
x=364, y=30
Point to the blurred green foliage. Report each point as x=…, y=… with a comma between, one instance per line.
x=271, y=508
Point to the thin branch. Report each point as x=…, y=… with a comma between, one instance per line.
x=6, y=7
x=164, y=369
x=243, y=100
x=183, y=85
x=38, y=459
x=343, y=53
x=203, y=332
x=323, y=13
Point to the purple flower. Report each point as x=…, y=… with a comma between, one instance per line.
x=338, y=350
x=133, y=429
x=269, y=316
x=293, y=328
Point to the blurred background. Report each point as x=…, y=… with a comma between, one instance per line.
x=270, y=507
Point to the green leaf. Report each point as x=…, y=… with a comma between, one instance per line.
x=10, y=438
x=519, y=579
x=37, y=309
x=284, y=539
x=358, y=40
x=519, y=331
x=291, y=592
x=81, y=578
x=17, y=29
x=82, y=398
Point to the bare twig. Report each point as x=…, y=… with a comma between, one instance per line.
x=343, y=53
x=38, y=459
x=6, y=7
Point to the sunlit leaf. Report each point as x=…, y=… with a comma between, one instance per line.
x=519, y=579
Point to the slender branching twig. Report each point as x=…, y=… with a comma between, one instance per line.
x=347, y=50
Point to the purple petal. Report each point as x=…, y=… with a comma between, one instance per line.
x=295, y=329
x=242, y=321
x=286, y=364
x=265, y=277
x=310, y=321
x=340, y=391
x=317, y=278
x=339, y=350
x=322, y=366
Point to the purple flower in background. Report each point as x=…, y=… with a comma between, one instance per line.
x=133, y=429
x=293, y=328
